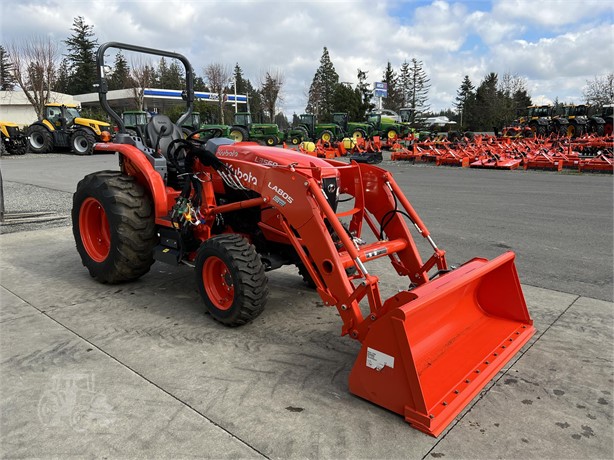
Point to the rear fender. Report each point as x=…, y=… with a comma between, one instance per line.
x=137, y=165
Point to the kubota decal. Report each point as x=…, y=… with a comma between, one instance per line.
x=244, y=176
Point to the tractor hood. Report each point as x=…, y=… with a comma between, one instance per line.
x=268, y=156
x=90, y=122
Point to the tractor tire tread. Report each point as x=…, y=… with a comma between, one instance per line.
x=131, y=218
x=254, y=282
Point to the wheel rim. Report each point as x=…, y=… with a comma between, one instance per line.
x=294, y=141
x=392, y=134
x=80, y=144
x=94, y=229
x=36, y=140
x=218, y=284
x=357, y=135
x=326, y=137
x=270, y=142
x=236, y=135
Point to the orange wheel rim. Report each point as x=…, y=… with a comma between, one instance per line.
x=217, y=281
x=94, y=229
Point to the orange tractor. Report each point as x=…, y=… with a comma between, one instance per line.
x=235, y=210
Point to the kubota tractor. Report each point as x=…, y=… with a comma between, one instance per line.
x=235, y=210
x=63, y=127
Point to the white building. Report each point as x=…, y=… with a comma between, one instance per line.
x=15, y=107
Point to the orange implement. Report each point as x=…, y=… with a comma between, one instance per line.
x=441, y=343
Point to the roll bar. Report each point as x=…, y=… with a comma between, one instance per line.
x=103, y=86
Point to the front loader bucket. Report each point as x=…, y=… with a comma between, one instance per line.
x=438, y=345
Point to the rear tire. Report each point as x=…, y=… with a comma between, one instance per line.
x=82, y=142
x=231, y=279
x=239, y=134
x=114, y=226
x=40, y=139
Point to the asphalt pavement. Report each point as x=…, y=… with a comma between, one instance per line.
x=138, y=371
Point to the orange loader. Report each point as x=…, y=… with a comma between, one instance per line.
x=235, y=210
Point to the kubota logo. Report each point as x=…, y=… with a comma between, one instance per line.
x=281, y=193
x=244, y=176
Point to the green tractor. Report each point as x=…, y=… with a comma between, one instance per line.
x=309, y=129
x=385, y=127
x=135, y=121
x=352, y=129
x=243, y=129
x=63, y=127
x=194, y=123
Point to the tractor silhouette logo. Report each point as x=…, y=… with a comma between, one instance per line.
x=71, y=400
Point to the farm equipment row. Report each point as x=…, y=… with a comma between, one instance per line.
x=587, y=153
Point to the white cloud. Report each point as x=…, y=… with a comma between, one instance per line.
x=557, y=46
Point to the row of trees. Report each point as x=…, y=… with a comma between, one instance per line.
x=406, y=88
x=492, y=105
x=33, y=65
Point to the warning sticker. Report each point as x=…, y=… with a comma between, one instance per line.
x=377, y=360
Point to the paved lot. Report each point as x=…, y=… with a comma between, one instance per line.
x=160, y=379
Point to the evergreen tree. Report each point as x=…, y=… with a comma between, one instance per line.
x=81, y=57
x=464, y=95
x=170, y=76
x=419, y=85
x=394, y=99
x=346, y=99
x=366, y=95
x=199, y=84
x=120, y=78
x=404, y=84
x=62, y=82
x=239, y=80
x=7, y=80
x=488, y=104
x=322, y=89
x=254, y=102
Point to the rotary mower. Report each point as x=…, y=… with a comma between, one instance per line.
x=235, y=210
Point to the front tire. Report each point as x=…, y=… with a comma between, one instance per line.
x=40, y=139
x=327, y=136
x=231, y=279
x=114, y=226
x=82, y=142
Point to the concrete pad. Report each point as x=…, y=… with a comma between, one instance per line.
x=62, y=397
x=555, y=402
x=279, y=384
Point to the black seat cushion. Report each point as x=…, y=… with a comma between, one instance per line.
x=161, y=131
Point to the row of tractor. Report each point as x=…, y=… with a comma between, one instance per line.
x=562, y=120
x=307, y=129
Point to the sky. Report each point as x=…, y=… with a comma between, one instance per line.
x=556, y=45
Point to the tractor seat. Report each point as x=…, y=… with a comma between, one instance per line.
x=161, y=131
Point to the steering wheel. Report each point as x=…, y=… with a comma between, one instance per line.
x=211, y=133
